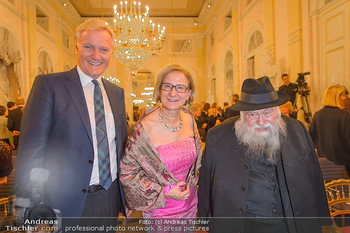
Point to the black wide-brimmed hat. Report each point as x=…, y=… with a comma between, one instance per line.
x=259, y=94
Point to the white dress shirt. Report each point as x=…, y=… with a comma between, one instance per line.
x=88, y=88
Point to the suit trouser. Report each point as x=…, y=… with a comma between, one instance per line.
x=103, y=203
x=102, y=208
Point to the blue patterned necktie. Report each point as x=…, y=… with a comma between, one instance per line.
x=102, y=140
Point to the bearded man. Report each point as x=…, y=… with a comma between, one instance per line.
x=261, y=169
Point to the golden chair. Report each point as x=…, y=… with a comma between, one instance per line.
x=8, y=218
x=338, y=195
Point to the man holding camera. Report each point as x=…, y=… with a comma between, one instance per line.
x=289, y=88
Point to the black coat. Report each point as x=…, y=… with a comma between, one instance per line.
x=230, y=112
x=14, y=122
x=225, y=171
x=330, y=132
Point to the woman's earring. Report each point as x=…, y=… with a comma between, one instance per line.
x=187, y=104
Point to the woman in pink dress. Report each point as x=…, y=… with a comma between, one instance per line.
x=159, y=170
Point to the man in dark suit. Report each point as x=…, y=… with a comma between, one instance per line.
x=70, y=123
x=262, y=167
x=15, y=118
x=230, y=112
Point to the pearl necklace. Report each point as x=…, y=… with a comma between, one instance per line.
x=166, y=125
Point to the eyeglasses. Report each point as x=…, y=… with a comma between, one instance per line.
x=179, y=87
x=266, y=114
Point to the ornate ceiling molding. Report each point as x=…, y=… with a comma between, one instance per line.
x=206, y=11
x=13, y=10
x=69, y=11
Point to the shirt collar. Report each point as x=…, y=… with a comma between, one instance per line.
x=85, y=79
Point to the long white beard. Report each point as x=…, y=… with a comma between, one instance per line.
x=262, y=145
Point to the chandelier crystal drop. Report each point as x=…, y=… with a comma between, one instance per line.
x=137, y=37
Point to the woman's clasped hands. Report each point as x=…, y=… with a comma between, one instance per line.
x=181, y=191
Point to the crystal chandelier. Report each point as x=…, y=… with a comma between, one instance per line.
x=137, y=37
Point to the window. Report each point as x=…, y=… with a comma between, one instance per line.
x=42, y=20
x=228, y=19
x=182, y=45
x=142, y=90
x=212, y=39
x=256, y=40
x=228, y=70
x=251, y=70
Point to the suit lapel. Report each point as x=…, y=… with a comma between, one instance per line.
x=76, y=93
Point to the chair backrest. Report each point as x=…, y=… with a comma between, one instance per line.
x=332, y=171
x=8, y=203
x=338, y=196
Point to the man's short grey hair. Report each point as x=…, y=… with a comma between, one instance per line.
x=94, y=24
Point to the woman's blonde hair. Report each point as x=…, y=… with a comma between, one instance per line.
x=288, y=105
x=163, y=73
x=331, y=97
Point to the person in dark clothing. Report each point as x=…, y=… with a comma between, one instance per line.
x=73, y=133
x=230, y=112
x=330, y=127
x=289, y=88
x=224, y=109
x=200, y=121
x=11, y=105
x=260, y=171
x=15, y=119
x=6, y=165
x=346, y=105
x=220, y=112
x=212, y=116
x=205, y=115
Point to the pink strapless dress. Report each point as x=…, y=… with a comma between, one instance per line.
x=178, y=157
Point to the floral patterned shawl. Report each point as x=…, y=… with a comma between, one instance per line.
x=144, y=175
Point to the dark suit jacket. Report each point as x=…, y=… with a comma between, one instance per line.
x=224, y=174
x=330, y=132
x=231, y=112
x=14, y=122
x=56, y=136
